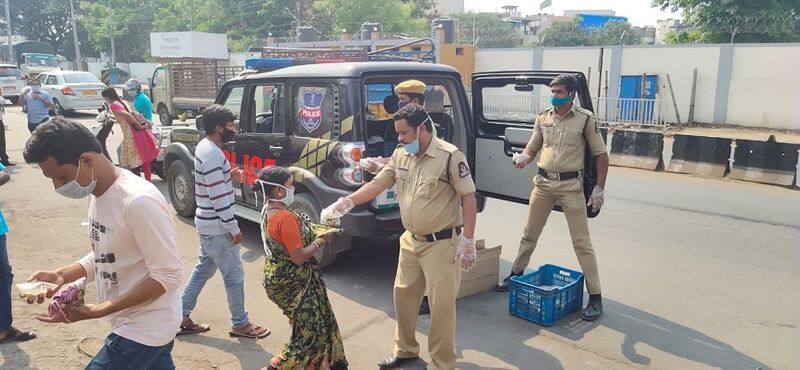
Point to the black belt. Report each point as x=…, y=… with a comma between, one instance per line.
x=441, y=235
x=559, y=176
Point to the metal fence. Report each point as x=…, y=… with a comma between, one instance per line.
x=649, y=113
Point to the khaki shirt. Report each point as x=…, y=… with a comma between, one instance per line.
x=562, y=140
x=428, y=190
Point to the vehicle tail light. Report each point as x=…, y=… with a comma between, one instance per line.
x=66, y=90
x=351, y=176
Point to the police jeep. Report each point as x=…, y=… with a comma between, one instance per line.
x=319, y=120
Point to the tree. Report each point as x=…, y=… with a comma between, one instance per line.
x=566, y=33
x=487, y=30
x=41, y=20
x=129, y=24
x=395, y=16
x=740, y=20
x=682, y=37
x=617, y=33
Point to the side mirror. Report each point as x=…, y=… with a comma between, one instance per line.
x=198, y=123
x=390, y=104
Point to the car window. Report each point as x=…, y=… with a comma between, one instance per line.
x=42, y=78
x=9, y=72
x=80, y=78
x=316, y=110
x=234, y=100
x=267, y=103
x=159, y=78
x=52, y=80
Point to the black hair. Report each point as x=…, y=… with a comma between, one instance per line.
x=273, y=174
x=415, y=115
x=62, y=139
x=215, y=116
x=569, y=82
x=111, y=93
x=420, y=97
x=33, y=81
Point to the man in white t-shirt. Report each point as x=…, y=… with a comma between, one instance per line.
x=134, y=260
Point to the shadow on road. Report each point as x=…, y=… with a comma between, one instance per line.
x=365, y=274
x=249, y=353
x=19, y=359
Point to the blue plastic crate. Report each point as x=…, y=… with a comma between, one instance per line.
x=546, y=295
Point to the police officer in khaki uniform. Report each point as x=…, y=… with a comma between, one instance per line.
x=562, y=134
x=438, y=209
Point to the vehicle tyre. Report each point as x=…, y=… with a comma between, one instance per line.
x=58, y=108
x=14, y=100
x=163, y=115
x=306, y=206
x=180, y=183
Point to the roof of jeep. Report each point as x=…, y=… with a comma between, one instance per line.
x=352, y=69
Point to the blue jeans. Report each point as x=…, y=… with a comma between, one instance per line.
x=217, y=251
x=122, y=353
x=6, y=279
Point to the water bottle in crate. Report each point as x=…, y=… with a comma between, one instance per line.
x=546, y=295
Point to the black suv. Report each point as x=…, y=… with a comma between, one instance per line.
x=318, y=120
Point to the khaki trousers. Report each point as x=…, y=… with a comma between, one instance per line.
x=569, y=195
x=428, y=265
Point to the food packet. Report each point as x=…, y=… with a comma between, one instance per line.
x=322, y=230
x=33, y=289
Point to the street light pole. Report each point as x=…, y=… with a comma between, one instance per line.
x=111, y=35
x=78, y=57
x=8, y=34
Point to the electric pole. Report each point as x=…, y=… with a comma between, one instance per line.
x=78, y=57
x=11, y=56
x=111, y=35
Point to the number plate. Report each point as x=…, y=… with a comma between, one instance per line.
x=89, y=92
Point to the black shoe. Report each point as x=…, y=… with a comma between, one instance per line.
x=424, y=308
x=503, y=285
x=593, y=310
x=394, y=361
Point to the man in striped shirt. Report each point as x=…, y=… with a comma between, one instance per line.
x=220, y=237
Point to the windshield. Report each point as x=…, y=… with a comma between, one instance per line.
x=41, y=60
x=9, y=72
x=76, y=78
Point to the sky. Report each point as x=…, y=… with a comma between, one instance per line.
x=638, y=12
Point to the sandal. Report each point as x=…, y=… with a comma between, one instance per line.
x=254, y=332
x=193, y=328
x=15, y=335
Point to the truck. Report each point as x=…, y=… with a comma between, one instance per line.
x=318, y=120
x=32, y=57
x=194, y=65
x=184, y=86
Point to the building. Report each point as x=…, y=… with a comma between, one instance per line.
x=665, y=26
x=575, y=13
x=446, y=7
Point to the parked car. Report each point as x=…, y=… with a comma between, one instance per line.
x=13, y=82
x=72, y=90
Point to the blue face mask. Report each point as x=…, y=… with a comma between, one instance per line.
x=413, y=147
x=560, y=101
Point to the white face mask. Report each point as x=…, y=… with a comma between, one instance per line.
x=74, y=190
x=287, y=200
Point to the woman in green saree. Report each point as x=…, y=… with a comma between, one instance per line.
x=293, y=281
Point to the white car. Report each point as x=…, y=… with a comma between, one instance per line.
x=13, y=82
x=72, y=90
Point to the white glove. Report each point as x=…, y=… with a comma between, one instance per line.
x=520, y=159
x=331, y=214
x=373, y=165
x=465, y=253
x=596, y=199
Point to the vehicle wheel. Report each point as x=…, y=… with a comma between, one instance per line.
x=14, y=100
x=180, y=184
x=163, y=115
x=157, y=167
x=306, y=206
x=58, y=108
